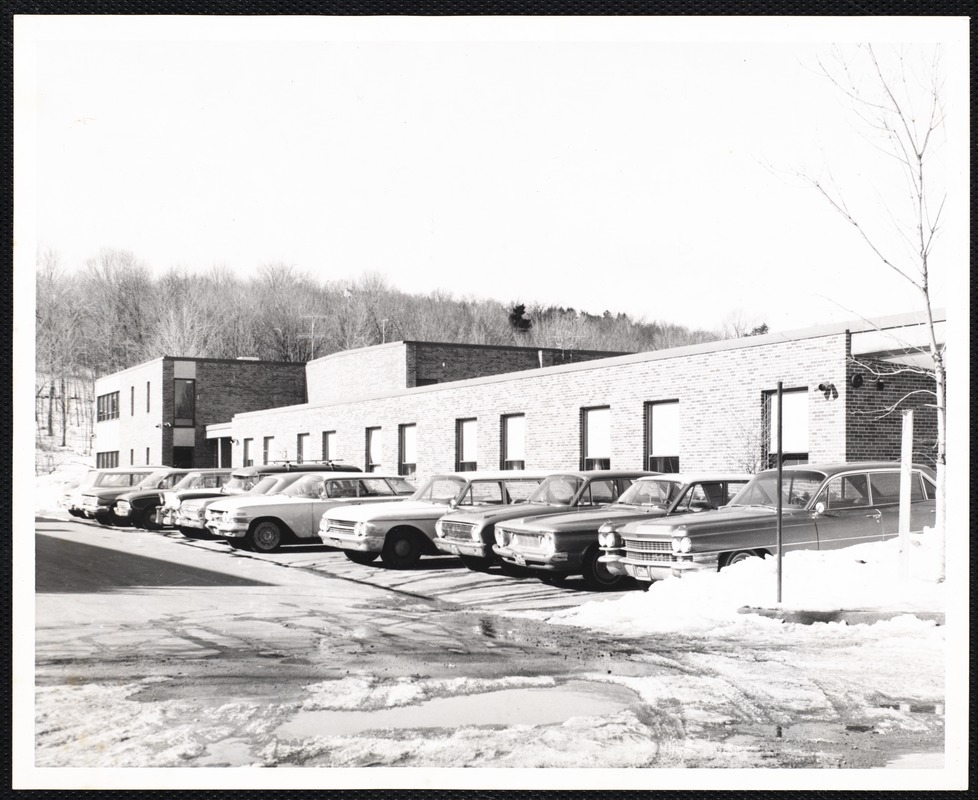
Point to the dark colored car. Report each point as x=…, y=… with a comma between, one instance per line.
x=138, y=508
x=558, y=545
x=823, y=507
x=97, y=501
x=471, y=534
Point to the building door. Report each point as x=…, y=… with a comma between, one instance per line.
x=183, y=457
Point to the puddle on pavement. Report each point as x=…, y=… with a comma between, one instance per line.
x=229, y=752
x=536, y=706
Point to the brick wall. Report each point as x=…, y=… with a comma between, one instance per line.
x=353, y=374
x=874, y=417
x=719, y=390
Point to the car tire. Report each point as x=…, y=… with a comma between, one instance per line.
x=738, y=556
x=264, y=536
x=477, y=563
x=596, y=575
x=147, y=519
x=401, y=549
x=359, y=557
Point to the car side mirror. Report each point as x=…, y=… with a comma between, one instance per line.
x=819, y=508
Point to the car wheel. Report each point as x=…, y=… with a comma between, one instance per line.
x=401, y=550
x=105, y=519
x=646, y=585
x=596, y=575
x=740, y=555
x=477, y=563
x=359, y=557
x=147, y=519
x=264, y=536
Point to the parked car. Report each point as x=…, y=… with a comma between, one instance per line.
x=139, y=508
x=556, y=546
x=823, y=507
x=471, y=534
x=97, y=500
x=242, y=480
x=293, y=514
x=71, y=499
x=400, y=534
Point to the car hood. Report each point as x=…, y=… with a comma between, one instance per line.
x=590, y=519
x=406, y=509
x=491, y=516
x=142, y=494
x=723, y=519
x=110, y=494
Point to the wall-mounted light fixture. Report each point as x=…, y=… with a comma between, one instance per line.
x=856, y=380
x=825, y=386
x=234, y=441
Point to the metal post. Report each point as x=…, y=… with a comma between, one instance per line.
x=906, y=457
x=780, y=493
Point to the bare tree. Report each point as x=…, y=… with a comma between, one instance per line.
x=901, y=111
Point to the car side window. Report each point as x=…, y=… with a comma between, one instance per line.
x=886, y=488
x=484, y=493
x=341, y=489
x=697, y=498
x=598, y=493
x=375, y=487
x=846, y=491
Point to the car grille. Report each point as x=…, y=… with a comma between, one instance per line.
x=646, y=550
x=530, y=541
x=460, y=531
x=339, y=526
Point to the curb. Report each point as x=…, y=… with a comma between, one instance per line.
x=849, y=617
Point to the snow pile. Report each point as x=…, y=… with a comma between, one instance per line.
x=49, y=489
x=863, y=577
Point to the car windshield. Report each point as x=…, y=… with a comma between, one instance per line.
x=440, y=489
x=557, y=490
x=309, y=487
x=188, y=481
x=114, y=479
x=660, y=494
x=243, y=483
x=798, y=487
x=264, y=486
x=90, y=478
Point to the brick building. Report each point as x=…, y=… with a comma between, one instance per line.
x=158, y=412
x=419, y=408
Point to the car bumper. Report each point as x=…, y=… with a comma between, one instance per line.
x=165, y=519
x=644, y=571
x=96, y=511
x=559, y=561
x=462, y=548
x=190, y=522
x=228, y=530
x=612, y=563
x=121, y=514
x=348, y=541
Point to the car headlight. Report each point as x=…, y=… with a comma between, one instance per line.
x=439, y=530
x=476, y=533
x=547, y=543
x=683, y=545
x=123, y=507
x=609, y=539
x=503, y=537
x=198, y=512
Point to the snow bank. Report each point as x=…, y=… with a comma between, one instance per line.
x=865, y=576
x=48, y=489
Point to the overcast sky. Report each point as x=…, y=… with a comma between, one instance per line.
x=644, y=166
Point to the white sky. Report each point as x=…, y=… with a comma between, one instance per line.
x=635, y=165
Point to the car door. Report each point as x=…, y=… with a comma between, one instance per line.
x=849, y=517
x=886, y=497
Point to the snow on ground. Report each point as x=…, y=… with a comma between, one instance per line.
x=861, y=577
x=49, y=488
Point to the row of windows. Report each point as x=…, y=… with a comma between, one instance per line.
x=662, y=439
x=184, y=403
x=107, y=459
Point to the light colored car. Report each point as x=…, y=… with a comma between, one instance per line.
x=558, y=545
x=293, y=514
x=823, y=507
x=71, y=499
x=400, y=534
x=471, y=534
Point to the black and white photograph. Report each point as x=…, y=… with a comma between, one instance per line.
x=491, y=402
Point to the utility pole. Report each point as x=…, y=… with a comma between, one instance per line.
x=312, y=332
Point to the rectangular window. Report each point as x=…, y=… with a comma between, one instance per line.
x=514, y=442
x=466, y=445
x=301, y=447
x=184, y=396
x=107, y=459
x=407, y=450
x=147, y=455
x=662, y=436
x=132, y=457
x=248, y=460
x=147, y=397
x=132, y=401
x=596, y=438
x=373, y=451
x=794, y=431
x=266, y=449
x=107, y=407
x=329, y=445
